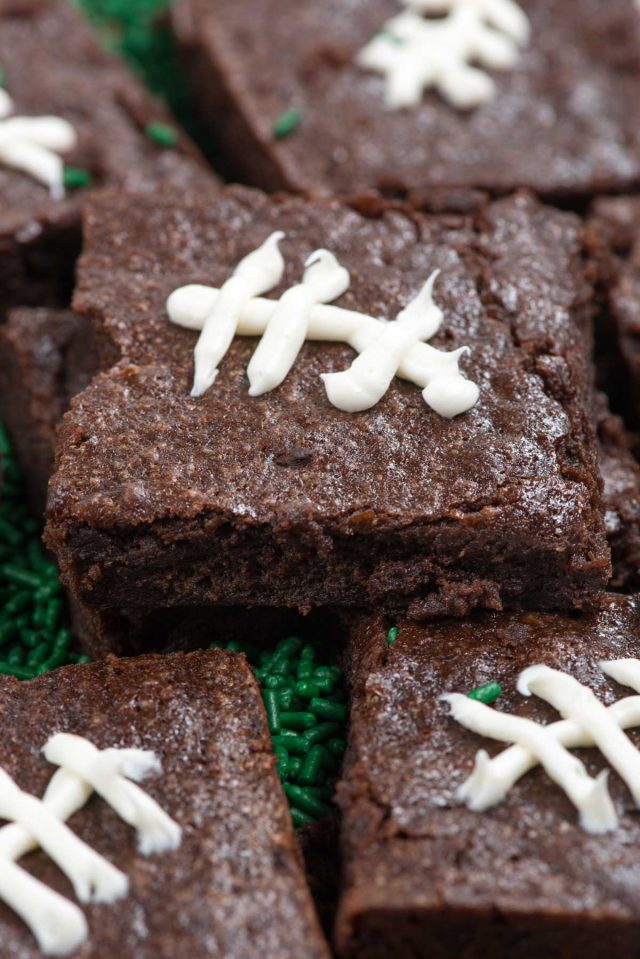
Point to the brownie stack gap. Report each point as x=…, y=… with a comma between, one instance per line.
x=359, y=450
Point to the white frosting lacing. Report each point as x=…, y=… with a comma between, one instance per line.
x=57, y=924
x=415, y=54
x=586, y=722
x=32, y=145
x=386, y=349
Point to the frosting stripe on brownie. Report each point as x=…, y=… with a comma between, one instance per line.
x=57, y=924
x=416, y=54
x=32, y=144
x=586, y=722
x=386, y=349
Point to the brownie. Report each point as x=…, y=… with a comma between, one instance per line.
x=110, y=112
x=234, y=887
x=160, y=499
x=615, y=236
x=46, y=357
x=562, y=121
x=424, y=875
x=620, y=472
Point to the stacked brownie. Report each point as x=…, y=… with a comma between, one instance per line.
x=466, y=510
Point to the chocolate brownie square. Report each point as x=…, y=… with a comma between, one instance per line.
x=163, y=499
x=425, y=876
x=52, y=65
x=234, y=887
x=280, y=85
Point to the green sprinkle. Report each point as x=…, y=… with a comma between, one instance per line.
x=286, y=123
x=486, y=694
x=311, y=767
x=270, y=699
x=295, y=765
x=306, y=689
x=324, y=709
x=163, y=134
x=321, y=732
x=292, y=742
x=75, y=178
x=298, y=720
x=392, y=635
x=303, y=799
x=3, y=81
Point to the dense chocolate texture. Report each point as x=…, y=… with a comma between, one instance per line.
x=160, y=499
x=46, y=358
x=235, y=887
x=615, y=235
x=620, y=473
x=426, y=877
x=562, y=121
x=40, y=237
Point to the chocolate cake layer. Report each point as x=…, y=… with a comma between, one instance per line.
x=562, y=120
x=426, y=877
x=234, y=888
x=163, y=499
x=110, y=113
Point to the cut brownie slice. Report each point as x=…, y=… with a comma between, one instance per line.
x=426, y=877
x=279, y=84
x=110, y=113
x=234, y=888
x=46, y=358
x=164, y=499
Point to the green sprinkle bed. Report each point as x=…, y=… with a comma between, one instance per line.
x=306, y=703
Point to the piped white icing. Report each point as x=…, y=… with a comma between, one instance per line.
x=416, y=54
x=58, y=925
x=386, y=349
x=32, y=145
x=586, y=722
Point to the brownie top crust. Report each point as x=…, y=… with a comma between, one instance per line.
x=137, y=452
x=561, y=120
x=52, y=65
x=234, y=887
x=410, y=845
